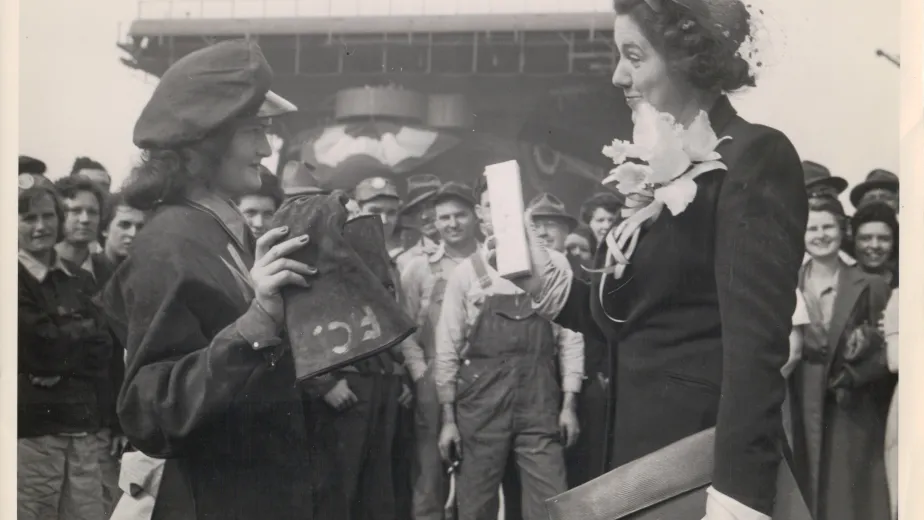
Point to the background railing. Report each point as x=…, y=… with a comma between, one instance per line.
x=249, y=9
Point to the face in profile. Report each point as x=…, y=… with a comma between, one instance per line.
x=823, y=234
x=81, y=218
x=643, y=73
x=601, y=221
x=121, y=233
x=38, y=225
x=386, y=208
x=258, y=211
x=874, y=243
x=239, y=170
x=455, y=221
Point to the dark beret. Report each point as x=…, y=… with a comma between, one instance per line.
x=205, y=90
x=31, y=165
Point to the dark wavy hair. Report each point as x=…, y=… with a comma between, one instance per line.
x=85, y=163
x=269, y=187
x=69, y=187
x=605, y=200
x=876, y=212
x=691, y=46
x=164, y=175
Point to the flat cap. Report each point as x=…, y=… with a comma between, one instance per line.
x=205, y=90
x=454, y=190
x=373, y=188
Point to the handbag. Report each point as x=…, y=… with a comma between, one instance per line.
x=670, y=483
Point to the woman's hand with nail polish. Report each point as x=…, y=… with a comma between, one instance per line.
x=272, y=270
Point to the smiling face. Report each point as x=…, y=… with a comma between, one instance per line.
x=455, y=221
x=642, y=72
x=874, y=243
x=38, y=225
x=552, y=232
x=600, y=222
x=239, y=169
x=822, y=235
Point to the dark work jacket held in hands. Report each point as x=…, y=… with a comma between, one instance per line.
x=61, y=333
x=196, y=388
x=707, y=301
x=348, y=314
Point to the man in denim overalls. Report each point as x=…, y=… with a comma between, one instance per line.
x=498, y=383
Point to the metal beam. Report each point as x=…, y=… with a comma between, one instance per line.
x=373, y=24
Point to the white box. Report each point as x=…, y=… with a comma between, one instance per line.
x=505, y=192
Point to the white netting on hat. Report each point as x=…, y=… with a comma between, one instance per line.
x=748, y=26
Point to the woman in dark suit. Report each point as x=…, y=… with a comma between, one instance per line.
x=702, y=313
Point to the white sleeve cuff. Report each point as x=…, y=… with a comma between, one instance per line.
x=723, y=507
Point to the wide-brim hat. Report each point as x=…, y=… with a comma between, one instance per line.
x=877, y=179
x=819, y=178
x=420, y=188
x=547, y=205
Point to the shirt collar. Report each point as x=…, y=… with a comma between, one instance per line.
x=846, y=259
x=440, y=253
x=87, y=264
x=224, y=211
x=37, y=269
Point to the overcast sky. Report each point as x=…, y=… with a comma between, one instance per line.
x=823, y=84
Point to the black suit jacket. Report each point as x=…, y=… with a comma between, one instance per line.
x=708, y=301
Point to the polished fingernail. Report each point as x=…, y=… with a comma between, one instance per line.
x=303, y=239
x=284, y=229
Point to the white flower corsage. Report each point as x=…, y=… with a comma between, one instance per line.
x=665, y=160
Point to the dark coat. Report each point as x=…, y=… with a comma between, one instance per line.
x=229, y=418
x=845, y=442
x=708, y=300
x=61, y=333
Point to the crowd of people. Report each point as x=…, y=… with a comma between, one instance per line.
x=155, y=379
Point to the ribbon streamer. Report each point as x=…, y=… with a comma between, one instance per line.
x=622, y=240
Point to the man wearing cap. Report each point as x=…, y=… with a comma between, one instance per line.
x=210, y=396
x=417, y=216
x=498, y=367
x=379, y=196
x=423, y=282
x=880, y=185
x=820, y=183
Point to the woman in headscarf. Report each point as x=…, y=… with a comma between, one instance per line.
x=209, y=381
x=702, y=311
x=842, y=387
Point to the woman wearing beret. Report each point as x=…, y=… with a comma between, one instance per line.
x=700, y=317
x=842, y=387
x=875, y=240
x=209, y=382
